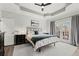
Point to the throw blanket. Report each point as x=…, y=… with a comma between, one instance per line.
x=29, y=37
x=45, y=42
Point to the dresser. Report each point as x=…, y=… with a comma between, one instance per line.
x=19, y=39
x=1, y=44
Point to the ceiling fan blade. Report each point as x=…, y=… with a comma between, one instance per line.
x=42, y=4
x=37, y=4
x=47, y=4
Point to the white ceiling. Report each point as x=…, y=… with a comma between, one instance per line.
x=31, y=9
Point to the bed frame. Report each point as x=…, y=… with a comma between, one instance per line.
x=39, y=49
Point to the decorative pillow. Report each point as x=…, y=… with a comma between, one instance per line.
x=36, y=32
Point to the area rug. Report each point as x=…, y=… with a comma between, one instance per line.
x=60, y=49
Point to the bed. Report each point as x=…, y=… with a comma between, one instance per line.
x=34, y=37
x=34, y=34
x=39, y=41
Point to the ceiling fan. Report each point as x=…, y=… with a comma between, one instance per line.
x=42, y=5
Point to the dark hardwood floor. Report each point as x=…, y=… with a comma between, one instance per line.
x=8, y=50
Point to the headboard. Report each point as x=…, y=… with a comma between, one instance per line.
x=32, y=30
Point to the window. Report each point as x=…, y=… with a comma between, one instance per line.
x=63, y=29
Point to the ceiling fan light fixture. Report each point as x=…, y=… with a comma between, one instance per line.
x=42, y=7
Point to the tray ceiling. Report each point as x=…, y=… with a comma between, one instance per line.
x=48, y=10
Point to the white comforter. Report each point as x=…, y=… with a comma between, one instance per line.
x=45, y=42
